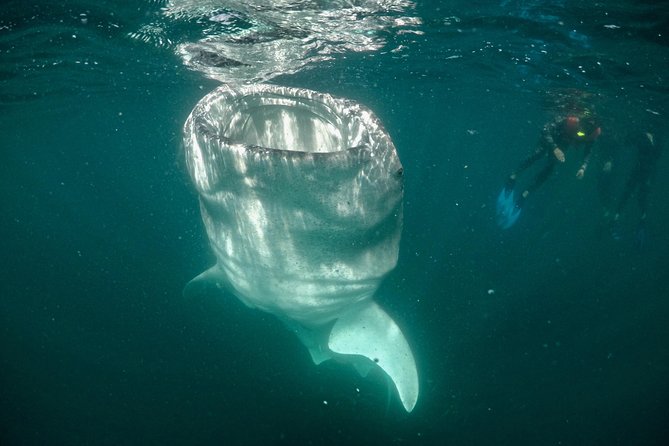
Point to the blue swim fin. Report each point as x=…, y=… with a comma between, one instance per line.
x=507, y=210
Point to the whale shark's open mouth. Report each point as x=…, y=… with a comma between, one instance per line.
x=281, y=118
x=297, y=123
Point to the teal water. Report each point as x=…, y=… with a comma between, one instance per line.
x=551, y=332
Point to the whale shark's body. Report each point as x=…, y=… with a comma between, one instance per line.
x=301, y=197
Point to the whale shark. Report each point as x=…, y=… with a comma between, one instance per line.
x=300, y=195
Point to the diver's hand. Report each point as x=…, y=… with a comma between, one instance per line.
x=559, y=154
x=580, y=173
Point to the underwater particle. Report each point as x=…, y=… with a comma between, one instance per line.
x=491, y=291
x=325, y=402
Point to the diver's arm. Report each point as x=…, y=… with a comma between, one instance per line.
x=587, y=153
x=548, y=140
x=547, y=136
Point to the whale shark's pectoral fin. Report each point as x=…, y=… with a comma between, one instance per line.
x=211, y=278
x=373, y=334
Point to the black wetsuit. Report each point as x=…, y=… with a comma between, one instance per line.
x=555, y=134
x=648, y=150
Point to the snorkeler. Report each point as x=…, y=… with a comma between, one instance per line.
x=573, y=131
x=648, y=148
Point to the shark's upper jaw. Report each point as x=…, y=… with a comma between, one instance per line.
x=301, y=196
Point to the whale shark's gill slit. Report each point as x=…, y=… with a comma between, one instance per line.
x=301, y=198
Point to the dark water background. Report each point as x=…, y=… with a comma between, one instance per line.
x=101, y=230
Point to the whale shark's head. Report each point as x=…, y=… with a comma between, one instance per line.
x=301, y=196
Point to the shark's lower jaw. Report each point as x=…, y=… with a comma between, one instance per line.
x=301, y=197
